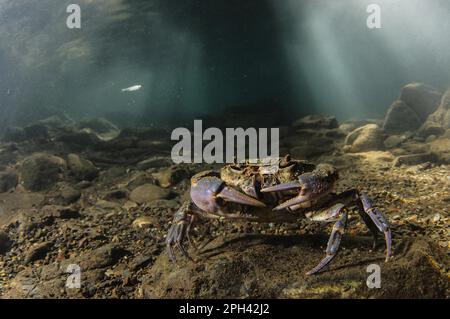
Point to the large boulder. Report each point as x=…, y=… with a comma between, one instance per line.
x=401, y=118
x=81, y=168
x=430, y=128
x=365, y=138
x=423, y=99
x=40, y=171
x=439, y=121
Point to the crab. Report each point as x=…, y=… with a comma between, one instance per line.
x=281, y=192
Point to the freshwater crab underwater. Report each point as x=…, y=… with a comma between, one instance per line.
x=289, y=190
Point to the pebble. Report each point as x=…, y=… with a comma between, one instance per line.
x=145, y=221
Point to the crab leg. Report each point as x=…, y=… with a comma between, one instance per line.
x=380, y=222
x=333, y=242
x=179, y=230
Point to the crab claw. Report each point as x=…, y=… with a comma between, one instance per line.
x=312, y=185
x=232, y=195
x=294, y=201
x=206, y=191
x=281, y=187
x=302, y=197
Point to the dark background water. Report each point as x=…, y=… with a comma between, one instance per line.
x=197, y=57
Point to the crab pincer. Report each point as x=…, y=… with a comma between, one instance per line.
x=209, y=195
x=311, y=185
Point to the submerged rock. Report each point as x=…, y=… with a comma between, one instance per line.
x=441, y=148
x=423, y=99
x=145, y=221
x=316, y=121
x=102, y=128
x=5, y=242
x=99, y=125
x=79, y=139
x=171, y=175
x=83, y=169
x=70, y=194
x=366, y=138
x=414, y=159
x=154, y=162
x=37, y=251
x=439, y=121
x=40, y=171
x=401, y=118
x=147, y=193
x=8, y=180
x=416, y=147
x=395, y=140
x=430, y=128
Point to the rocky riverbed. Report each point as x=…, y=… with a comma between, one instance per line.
x=87, y=193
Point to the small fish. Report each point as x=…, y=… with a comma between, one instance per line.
x=132, y=88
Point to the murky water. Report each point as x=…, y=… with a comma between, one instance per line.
x=95, y=96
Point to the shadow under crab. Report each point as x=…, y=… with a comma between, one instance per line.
x=257, y=192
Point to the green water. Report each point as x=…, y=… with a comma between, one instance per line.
x=195, y=58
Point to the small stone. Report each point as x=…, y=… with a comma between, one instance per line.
x=129, y=205
x=5, y=242
x=436, y=218
x=412, y=218
x=140, y=261
x=145, y=221
x=147, y=193
x=365, y=138
x=37, y=252
x=70, y=195
x=116, y=194
x=445, y=244
x=171, y=176
x=394, y=141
